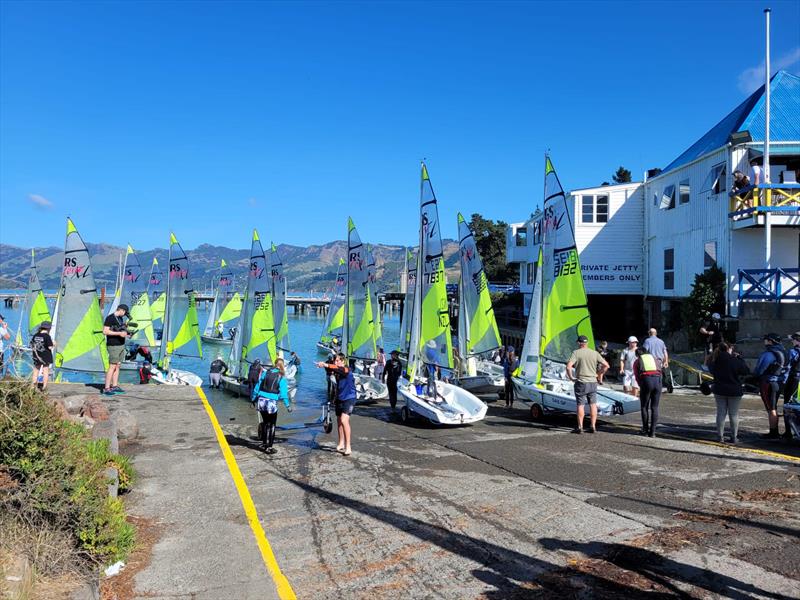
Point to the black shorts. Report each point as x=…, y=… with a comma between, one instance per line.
x=344, y=407
x=42, y=361
x=585, y=393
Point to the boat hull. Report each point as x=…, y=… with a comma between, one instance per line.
x=215, y=341
x=453, y=405
x=557, y=396
x=482, y=385
x=240, y=387
x=176, y=377
x=369, y=388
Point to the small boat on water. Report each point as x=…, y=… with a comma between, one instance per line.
x=430, y=345
x=478, y=335
x=559, y=313
x=330, y=340
x=225, y=310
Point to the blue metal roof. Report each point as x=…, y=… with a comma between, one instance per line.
x=749, y=116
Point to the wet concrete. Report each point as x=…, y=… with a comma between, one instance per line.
x=505, y=508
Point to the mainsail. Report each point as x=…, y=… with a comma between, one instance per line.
x=334, y=321
x=181, y=330
x=78, y=335
x=530, y=365
x=157, y=295
x=565, y=313
x=372, y=279
x=133, y=292
x=255, y=338
x=278, y=283
x=408, y=302
x=226, y=305
x=431, y=341
x=35, y=310
x=478, y=331
x=359, y=339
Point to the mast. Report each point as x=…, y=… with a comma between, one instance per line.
x=767, y=179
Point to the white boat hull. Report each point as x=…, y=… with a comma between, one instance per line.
x=176, y=377
x=481, y=384
x=452, y=406
x=368, y=388
x=556, y=395
x=240, y=387
x=216, y=341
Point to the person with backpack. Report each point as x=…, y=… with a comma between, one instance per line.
x=771, y=372
x=268, y=390
x=648, y=375
x=345, y=399
x=792, y=379
x=728, y=370
x=253, y=374
x=42, y=346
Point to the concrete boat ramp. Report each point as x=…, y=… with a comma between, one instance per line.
x=503, y=509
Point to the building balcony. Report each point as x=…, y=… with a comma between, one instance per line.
x=750, y=205
x=770, y=285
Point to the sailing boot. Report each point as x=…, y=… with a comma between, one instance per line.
x=772, y=435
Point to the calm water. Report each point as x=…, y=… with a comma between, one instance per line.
x=304, y=331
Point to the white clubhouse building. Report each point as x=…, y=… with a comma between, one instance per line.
x=641, y=244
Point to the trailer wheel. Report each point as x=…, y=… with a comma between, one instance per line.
x=537, y=413
x=405, y=415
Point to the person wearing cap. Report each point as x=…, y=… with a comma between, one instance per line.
x=771, y=372
x=216, y=370
x=392, y=372
x=627, y=358
x=116, y=334
x=712, y=332
x=42, y=346
x=510, y=364
x=792, y=378
x=588, y=367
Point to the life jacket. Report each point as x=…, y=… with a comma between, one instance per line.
x=648, y=365
x=145, y=374
x=778, y=370
x=266, y=391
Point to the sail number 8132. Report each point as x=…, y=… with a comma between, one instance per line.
x=566, y=263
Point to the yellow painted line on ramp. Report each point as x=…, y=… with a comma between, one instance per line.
x=285, y=591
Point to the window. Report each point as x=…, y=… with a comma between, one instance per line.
x=587, y=204
x=718, y=177
x=709, y=255
x=668, y=198
x=529, y=274
x=669, y=268
x=684, y=191
x=521, y=236
x=602, y=209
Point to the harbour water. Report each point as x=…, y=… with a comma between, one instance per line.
x=304, y=332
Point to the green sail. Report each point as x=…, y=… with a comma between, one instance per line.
x=222, y=297
x=433, y=344
x=157, y=296
x=372, y=279
x=479, y=326
x=181, y=329
x=36, y=310
x=408, y=302
x=281, y=314
x=334, y=321
x=78, y=328
x=565, y=307
x=359, y=336
x=232, y=309
x=133, y=292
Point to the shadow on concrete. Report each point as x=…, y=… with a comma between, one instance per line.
x=513, y=574
x=739, y=456
x=661, y=570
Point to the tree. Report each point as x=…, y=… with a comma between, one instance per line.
x=622, y=175
x=707, y=297
x=490, y=238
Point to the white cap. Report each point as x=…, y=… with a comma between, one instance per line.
x=633, y=339
x=716, y=316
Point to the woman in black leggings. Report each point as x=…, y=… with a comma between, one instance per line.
x=271, y=387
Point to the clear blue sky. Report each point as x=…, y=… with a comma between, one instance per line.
x=212, y=118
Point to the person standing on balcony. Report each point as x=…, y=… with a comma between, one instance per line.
x=740, y=181
x=758, y=172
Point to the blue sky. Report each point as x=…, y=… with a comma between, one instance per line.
x=212, y=118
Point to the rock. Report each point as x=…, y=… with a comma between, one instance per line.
x=18, y=577
x=95, y=409
x=58, y=403
x=113, y=478
x=127, y=426
x=106, y=430
x=88, y=591
x=75, y=402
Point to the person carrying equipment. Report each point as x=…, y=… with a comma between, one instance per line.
x=269, y=389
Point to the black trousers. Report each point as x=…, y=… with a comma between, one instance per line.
x=268, y=422
x=509, y=391
x=650, y=396
x=391, y=384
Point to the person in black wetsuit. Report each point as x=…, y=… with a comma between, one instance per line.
x=392, y=372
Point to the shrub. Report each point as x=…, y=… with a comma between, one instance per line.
x=59, y=475
x=707, y=296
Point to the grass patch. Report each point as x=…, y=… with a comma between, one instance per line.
x=54, y=503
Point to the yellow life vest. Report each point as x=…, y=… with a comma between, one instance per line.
x=647, y=362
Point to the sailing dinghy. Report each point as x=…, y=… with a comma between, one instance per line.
x=358, y=333
x=331, y=338
x=157, y=295
x=559, y=313
x=478, y=335
x=225, y=309
x=78, y=323
x=430, y=345
x=181, y=330
x=255, y=336
x=34, y=311
x=280, y=311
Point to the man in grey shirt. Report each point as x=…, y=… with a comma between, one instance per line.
x=589, y=367
x=656, y=346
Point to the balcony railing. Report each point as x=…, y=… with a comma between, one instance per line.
x=774, y=285
x=775, y=198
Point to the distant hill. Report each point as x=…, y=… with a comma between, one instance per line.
x=311, y=268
